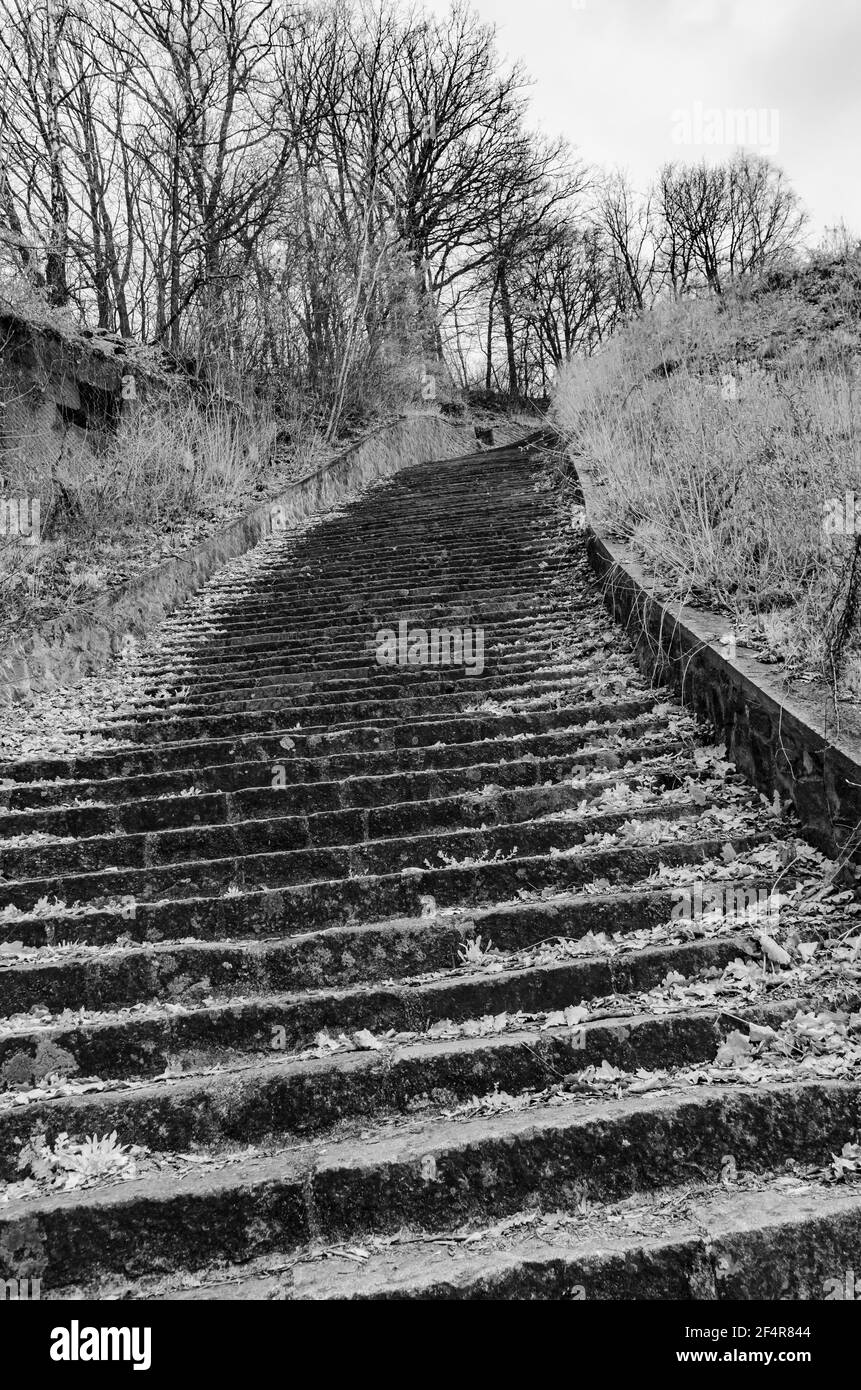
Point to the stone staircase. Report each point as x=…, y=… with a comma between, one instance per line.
x=384, y=977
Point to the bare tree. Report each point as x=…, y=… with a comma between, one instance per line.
x=536, y=180
x=568, y=300
x=725, y=220
x=334, y=194
x=635, y=241
x=35, y=100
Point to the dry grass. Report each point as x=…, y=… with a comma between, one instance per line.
x=175, y=471
x=170, y=459
x=717, y=430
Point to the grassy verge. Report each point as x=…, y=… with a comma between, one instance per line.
x=719, y=430
x=176, y=471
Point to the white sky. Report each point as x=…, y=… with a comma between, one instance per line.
x=609, y=74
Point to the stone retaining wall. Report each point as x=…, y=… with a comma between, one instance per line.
x=780, y=743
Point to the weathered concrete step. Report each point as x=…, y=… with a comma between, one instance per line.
x=453, y=508
x=768, y=1244
x=353, y=667
x=506, y=487
x=258, y=912
x=252, y=857
x=432, y=1180
x=301, y=603
x=434, y=573
x=373, y=680
x=405, y=551
x=522, y=648
x=604, y=746
x=525, y=535
x=372, y=714
x=348, y=636
x=94, y=978
x=449, y=507
x=273, y=825
x=349, y=675
x=335, y=556
x=305, y=1097
x=321, y=647
x=490, y=606
x=391, y=699
x=184, y=668
x=364, y=676
x=284, y=615
x=293, y=617
x=368, y=724
x=283, y=633
x=502, y=599
x=508, y=481
x=113, y=815
x=616, y=720
x=392, y=520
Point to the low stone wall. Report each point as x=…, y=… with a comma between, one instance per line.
x=780, y=743
x=81, y=641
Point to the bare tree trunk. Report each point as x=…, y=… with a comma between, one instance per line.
x=112, y=259
x=173, y=320
x=21, y=245
x=488, y=373
x=55, y=260
x=508, y=326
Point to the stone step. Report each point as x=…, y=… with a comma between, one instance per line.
x=273, y=824
x=71, y=816
x=378, y=683
x=433, y=1176
x=368, y=678
x=235, y=1040
x=260, y=912
x=256, y=858
x=391, y=741
x=599, y=747
x=388, y=700
x=79, y=977
x=766, y=1243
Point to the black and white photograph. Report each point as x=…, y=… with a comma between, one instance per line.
x=430, y=678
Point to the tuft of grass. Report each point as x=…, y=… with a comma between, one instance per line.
x=474, y=952
x=73, y=1163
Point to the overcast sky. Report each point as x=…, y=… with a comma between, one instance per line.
x=637, y=82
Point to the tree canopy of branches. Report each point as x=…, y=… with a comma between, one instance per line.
x=327, y=195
